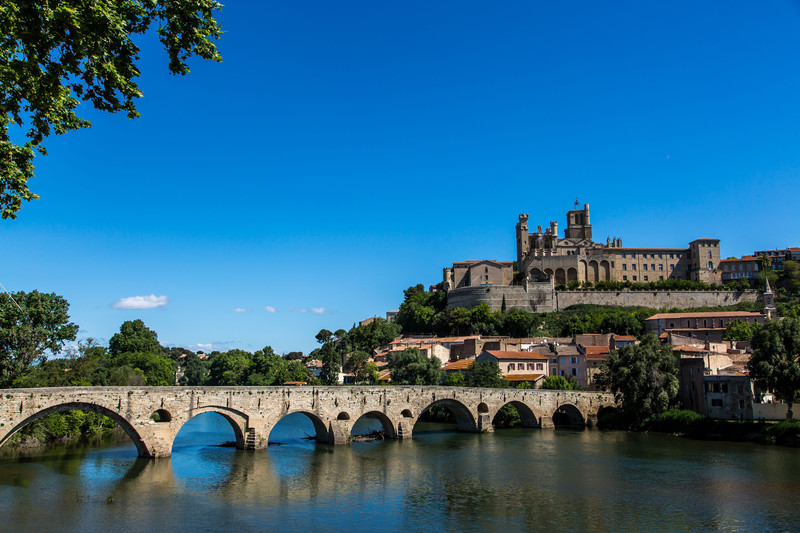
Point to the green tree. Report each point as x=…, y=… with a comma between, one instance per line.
x=775, y=363
x=739, y=331
x=330, y=357
x=40, y=324
x=55, y=53
x=455, y=379
x=411, y=367
x=134, y=336
x=644, y=378
x=485, y=374
x=560, y=383
x=357, y=365
x=230, y=368
x=137, y=347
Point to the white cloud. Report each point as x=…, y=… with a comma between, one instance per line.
x=270, y=309
x=241, y=310
x=140, y=302
x=313, y=310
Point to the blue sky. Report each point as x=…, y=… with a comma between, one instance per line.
x=346, y=150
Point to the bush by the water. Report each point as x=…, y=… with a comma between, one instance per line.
x=785, y=432
x=65, y=427
x=675, y=421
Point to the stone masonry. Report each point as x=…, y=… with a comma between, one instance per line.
x=254, y=411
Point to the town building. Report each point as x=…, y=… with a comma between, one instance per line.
x=518, y=367
x=706, y=326
x=728, y=396
x=735, y=269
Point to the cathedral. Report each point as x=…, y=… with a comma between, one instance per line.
x=545, y=256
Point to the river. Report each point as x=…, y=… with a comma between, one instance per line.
x=515, y=479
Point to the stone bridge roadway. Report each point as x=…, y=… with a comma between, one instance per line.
x=254, y=411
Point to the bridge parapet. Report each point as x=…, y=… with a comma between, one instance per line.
x=254, y=411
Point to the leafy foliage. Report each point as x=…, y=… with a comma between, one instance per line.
x=739, y=331
x=40, y=324
x=136, y=346
x=775, y=363
x=644, y=378
x=486, y=374
x=560, y=383
x=411, y=367
x=53, y=54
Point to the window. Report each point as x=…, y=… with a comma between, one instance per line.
x=646, y=278
x=612, y=264
x=716, y=403
x=624, y=255
x=510, y=367
x=633, y=267
x=539, y=366
x=709, y=254
x=741, y=404
x=710, y=265
x=574, y=371
x=624, y=278
x=661, y=267
x=740, y=389
x=672, y=256
x=705, y=323
x=573, y=360
x=633, y=255
x=634, y=278
x=725, y=388
x=672, y=324
x=530, y=366
x=678, y=268
x=691, y=371
x=661, y=278
x=660, y=256
x=652, y=256
x=562, y=372
x=624, y=266
x=644, y=266
x=653, y=266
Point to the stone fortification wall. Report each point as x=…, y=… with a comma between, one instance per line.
x=537, y=297
x=542, y=298
x=655, y=299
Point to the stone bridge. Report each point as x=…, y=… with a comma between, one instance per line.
x=254, y=411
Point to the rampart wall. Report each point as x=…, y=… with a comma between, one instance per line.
x=542, y=298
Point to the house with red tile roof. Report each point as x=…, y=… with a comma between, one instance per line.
x=705, y=326
x=518, y=367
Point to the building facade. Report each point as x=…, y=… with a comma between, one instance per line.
x=544, y=255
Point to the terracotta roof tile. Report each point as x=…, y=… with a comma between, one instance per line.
x=720, y=314
x=523, y=377
x=508, y=356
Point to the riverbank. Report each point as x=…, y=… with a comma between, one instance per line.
x=684, y=423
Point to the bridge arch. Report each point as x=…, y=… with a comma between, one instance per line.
x=141, y=447
x=236, y=419
x=528, y=417
x=323, y=429
x=387, y=424
x=465, y=421
x=568, y=415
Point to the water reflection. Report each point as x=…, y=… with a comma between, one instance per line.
x=440, y=480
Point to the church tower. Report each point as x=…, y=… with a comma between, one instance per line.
x=578, y=224
x=768, y=299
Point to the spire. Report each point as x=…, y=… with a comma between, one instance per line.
x=768, y=299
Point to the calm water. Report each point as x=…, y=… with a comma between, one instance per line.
x=440, y=480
